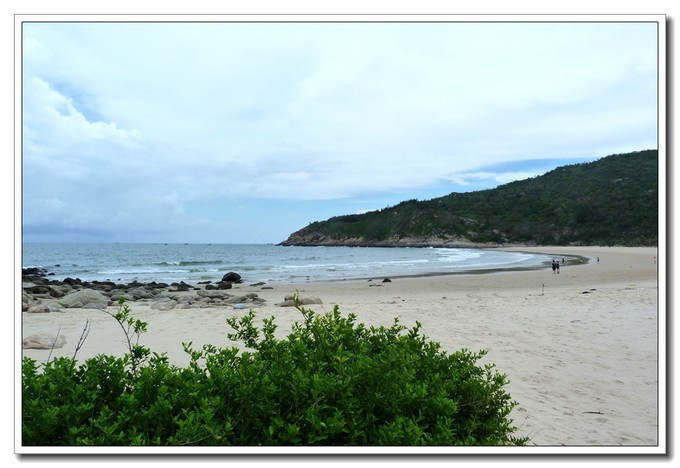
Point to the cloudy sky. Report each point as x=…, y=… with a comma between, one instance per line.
x=246, y=132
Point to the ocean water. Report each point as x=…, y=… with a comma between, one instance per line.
x=267, y=263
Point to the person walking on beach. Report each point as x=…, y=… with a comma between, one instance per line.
x=557, y=267
x=554, y=265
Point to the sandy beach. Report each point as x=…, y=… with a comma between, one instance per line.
x=580, y=348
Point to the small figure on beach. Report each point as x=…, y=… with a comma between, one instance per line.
x=557, y=267
x=598, y=259
x=554, y=265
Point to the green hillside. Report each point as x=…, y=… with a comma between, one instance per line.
x=612, y=201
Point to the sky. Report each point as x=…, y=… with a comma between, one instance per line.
x=246, y=132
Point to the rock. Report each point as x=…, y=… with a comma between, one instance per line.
x=267, y=287
x=44, y=341
x=118, y=293
x=38, y=309
x=182, y=286
x=140, y=293
x=213, y=293
x=261, y=283
x=387, y=280
x=39, y=289
x=224, y=285
x=103, y=285
x=37, y=279
x=232, y=277
x=33, y=271
x=240, y=306
x=63, y=289
x=84, y=298
x=289, y=302
x=53, y=306
x=236, y=299
x=186, y=299
x=57, y=292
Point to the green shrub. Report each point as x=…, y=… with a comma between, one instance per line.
x=330, y=382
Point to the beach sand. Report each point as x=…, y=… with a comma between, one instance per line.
x=580, y=348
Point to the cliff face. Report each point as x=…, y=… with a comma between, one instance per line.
x=612, y=201
x=317, y=239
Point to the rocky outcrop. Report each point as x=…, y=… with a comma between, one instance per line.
x=41, y=295
x=315, y=239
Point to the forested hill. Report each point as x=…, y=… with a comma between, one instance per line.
x=611, y=201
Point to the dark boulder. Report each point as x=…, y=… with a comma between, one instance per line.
x=40, y=289
x=33, y=271
x=182, y=286
x=232, y=277
x=103, y=285
x=35, y=279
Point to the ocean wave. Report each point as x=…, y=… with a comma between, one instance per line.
x=262, y=263
x=190, y=262
x=456, y=255
x=139, y=272
x=351, y=266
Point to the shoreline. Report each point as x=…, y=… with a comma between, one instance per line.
x=579, y=348
x=571, y=259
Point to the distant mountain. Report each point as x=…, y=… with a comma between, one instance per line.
x=611, y=201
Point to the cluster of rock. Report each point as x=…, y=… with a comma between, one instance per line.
x=204, y=298
x=42, y=295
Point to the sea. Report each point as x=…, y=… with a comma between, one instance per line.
x=193, y=263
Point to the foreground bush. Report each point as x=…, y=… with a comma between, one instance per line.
x=330, y=382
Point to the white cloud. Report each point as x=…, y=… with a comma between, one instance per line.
x=154, y=116
x=51, y=120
